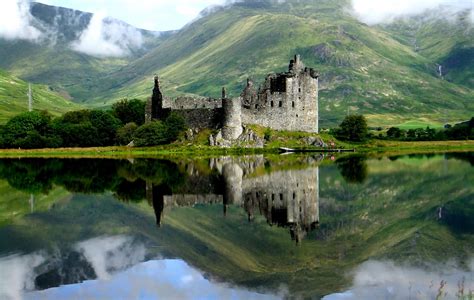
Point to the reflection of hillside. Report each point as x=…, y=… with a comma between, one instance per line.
x=391, y=215
x=286, y=198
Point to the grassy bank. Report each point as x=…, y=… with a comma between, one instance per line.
x=180, y=149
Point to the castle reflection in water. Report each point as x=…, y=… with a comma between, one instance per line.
x=286, y=198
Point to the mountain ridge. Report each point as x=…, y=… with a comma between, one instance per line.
x=376, y=70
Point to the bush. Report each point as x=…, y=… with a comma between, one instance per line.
x=353, y=128
x=29, y=130
x=87, y=128
x=175, y=124
x=125, y=133
x=151, y=134
x=130, y=111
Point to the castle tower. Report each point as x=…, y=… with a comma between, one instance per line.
x=156, y=100
x=232, y=123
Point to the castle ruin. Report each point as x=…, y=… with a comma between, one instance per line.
x=285, y=101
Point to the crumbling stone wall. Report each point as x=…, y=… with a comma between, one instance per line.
x=286, y=101
x=192, y=103
x=202, y=118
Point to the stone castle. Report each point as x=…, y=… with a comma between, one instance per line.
x=285, y=101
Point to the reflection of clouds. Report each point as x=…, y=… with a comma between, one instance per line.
x=107, y=254
x=17, y=274
x=385, y=280
x=161, y=279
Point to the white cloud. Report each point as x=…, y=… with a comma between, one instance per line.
x=375, y=11
x=15, y=21
x=386, y=280
x=107, y=38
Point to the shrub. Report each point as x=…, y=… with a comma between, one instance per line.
x=125, y=133
x=130, y=111
x=29, y=130
x=175, y=124
x=151, y=134
x=353, y=128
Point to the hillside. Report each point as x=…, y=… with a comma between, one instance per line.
x=54, y=59
x=369, y=70
x=14, y=99
x=389, y=73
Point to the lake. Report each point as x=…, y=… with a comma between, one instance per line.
x=243, y=227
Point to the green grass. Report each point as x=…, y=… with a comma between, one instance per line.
x=418, y=124
x=14, y=99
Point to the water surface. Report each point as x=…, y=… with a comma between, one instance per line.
x=252, y=227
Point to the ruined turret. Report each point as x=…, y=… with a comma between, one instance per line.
x=232, y=121
x=156, y=99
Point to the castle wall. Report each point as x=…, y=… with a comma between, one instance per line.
x=191, y=103
x=294, y=110
x=202, y=118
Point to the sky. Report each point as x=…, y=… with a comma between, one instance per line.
x=158, y=15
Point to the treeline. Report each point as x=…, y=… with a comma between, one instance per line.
x=461, y=131
x=124, y=123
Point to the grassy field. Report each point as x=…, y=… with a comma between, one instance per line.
x=180, y=149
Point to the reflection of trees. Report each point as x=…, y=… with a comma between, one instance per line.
x=29, y=175
x=466, y=156
x=125, y=179
x=458, y=216
x=353, y=169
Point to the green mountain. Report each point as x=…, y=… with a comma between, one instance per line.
x=52, y=59
x=389, y=73
x=369, y=70
x=14, y=98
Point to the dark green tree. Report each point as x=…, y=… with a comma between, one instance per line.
x=129, y=111
x=87, y=128
x=394, y=133
x=30, y=130
x=175, y=124
x=353, y=128
x=151, y=134
x=125, y=133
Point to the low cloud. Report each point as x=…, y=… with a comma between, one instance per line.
x=16, y=21
x=386, y=280
x=376, y=12
x=105, y=37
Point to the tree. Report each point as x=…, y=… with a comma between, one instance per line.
x=175, y=124
x=129, y=111
x=87, y=128
x=125, y=133
x=353, y=128
x=30, y=130
x=151, y=134
x=106, y=125
x=394, y=132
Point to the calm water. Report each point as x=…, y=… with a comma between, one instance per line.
x=250, y=227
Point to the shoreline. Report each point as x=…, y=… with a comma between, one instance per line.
x=375, y=146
